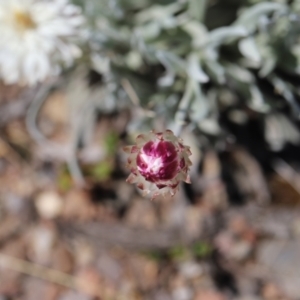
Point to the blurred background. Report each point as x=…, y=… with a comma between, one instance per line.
x=81, y=80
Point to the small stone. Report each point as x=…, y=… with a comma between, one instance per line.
x=41, y=241
x=49, y=204
x=190, y=269
x=232, y=247
x=182, y=293
x=241, y=250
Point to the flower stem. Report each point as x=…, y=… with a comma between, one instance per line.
x=183, y=108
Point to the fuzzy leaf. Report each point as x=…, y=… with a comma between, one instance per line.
x=195, y=70
x=171, y=62
x=226, y=34
x=249, y=49
x=250, y=16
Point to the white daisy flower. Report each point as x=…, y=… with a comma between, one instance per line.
x=36, y=37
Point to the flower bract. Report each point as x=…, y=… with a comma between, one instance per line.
x=158, y=162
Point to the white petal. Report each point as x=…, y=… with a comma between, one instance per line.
x=36, y=67
x=35, y=52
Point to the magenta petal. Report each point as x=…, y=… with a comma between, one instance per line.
x=149, y=148
x=167, y=151
x=168, y=171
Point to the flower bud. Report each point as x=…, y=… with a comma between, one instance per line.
x=158, y=162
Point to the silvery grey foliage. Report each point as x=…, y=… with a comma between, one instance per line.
x=187, y=61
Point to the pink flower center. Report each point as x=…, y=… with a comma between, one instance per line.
x=158, y=161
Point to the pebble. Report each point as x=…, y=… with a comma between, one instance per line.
x=49, y=204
